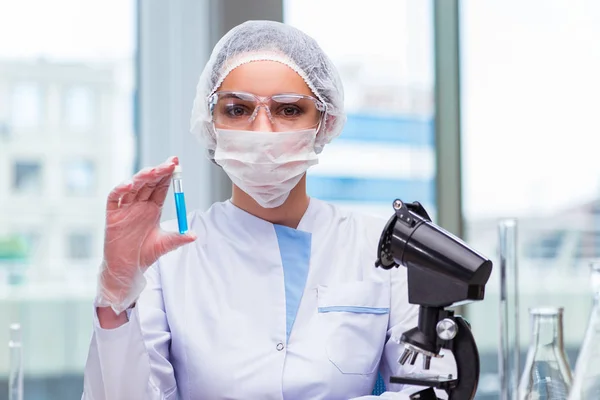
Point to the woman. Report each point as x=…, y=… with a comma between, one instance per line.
x=271, y=294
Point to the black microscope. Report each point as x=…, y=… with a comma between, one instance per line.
x=442, y=272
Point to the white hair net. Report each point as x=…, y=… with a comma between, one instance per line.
x=273, y=41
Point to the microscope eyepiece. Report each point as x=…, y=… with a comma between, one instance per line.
x=442, y=269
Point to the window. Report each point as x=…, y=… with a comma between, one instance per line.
x=59, y=60
x=26, y=104
x=80, y=177
x=387, y=148
x=79, y=246
x=27, y=177
x=530, y=84
x=79, y=108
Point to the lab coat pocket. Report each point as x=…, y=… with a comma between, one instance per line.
x=355, y=318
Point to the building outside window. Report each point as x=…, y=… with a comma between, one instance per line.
x=27, y=177
x=80, y=177
x=79, y=245
x=25, y=105
x=79, y=108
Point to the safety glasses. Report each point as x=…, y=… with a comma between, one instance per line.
x=286, y=112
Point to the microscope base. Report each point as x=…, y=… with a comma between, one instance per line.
x=437, y=382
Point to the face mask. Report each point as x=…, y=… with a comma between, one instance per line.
x=266, y=165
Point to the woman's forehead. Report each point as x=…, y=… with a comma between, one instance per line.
x=265, y=78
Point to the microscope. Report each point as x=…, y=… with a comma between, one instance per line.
x=442, y=272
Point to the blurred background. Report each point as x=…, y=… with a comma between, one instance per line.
x=479, y=109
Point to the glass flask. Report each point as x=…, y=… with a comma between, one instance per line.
x=15, y=375
x=586, y=383
x=547, y=375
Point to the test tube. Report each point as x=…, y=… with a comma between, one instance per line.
x=15, y=376
x=509, y=346
x=179, y=200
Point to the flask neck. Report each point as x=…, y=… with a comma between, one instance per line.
x=547, y=330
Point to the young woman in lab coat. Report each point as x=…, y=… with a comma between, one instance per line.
x=271, y=294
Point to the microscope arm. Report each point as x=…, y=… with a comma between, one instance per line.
x=466, y=355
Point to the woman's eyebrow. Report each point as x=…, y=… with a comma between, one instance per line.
x=234, y=95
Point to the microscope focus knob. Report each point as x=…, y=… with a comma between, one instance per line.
x=446, y=329
x=397, y=204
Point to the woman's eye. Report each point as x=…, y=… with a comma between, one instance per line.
x=290, y=111
x=235, y=110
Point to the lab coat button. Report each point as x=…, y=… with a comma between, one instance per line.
x=279, y=346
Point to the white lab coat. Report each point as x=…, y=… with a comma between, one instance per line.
x=230, y=317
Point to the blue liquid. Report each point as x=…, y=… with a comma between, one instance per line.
x=181, y=213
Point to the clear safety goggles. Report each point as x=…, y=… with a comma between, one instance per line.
x=286, y=112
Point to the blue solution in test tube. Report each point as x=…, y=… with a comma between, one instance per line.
x=179, y=200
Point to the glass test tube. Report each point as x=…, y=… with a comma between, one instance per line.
x=15, y=376
x=179, y=200
x=509, y=347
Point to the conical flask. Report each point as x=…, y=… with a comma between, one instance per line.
x=547, y=375
x=586, y=383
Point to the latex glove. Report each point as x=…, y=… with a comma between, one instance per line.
x=133, y=238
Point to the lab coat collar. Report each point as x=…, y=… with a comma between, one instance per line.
x=247, y=220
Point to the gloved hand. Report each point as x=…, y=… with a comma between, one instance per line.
x=133, y=238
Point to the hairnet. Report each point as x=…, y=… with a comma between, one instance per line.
x=273, y=41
